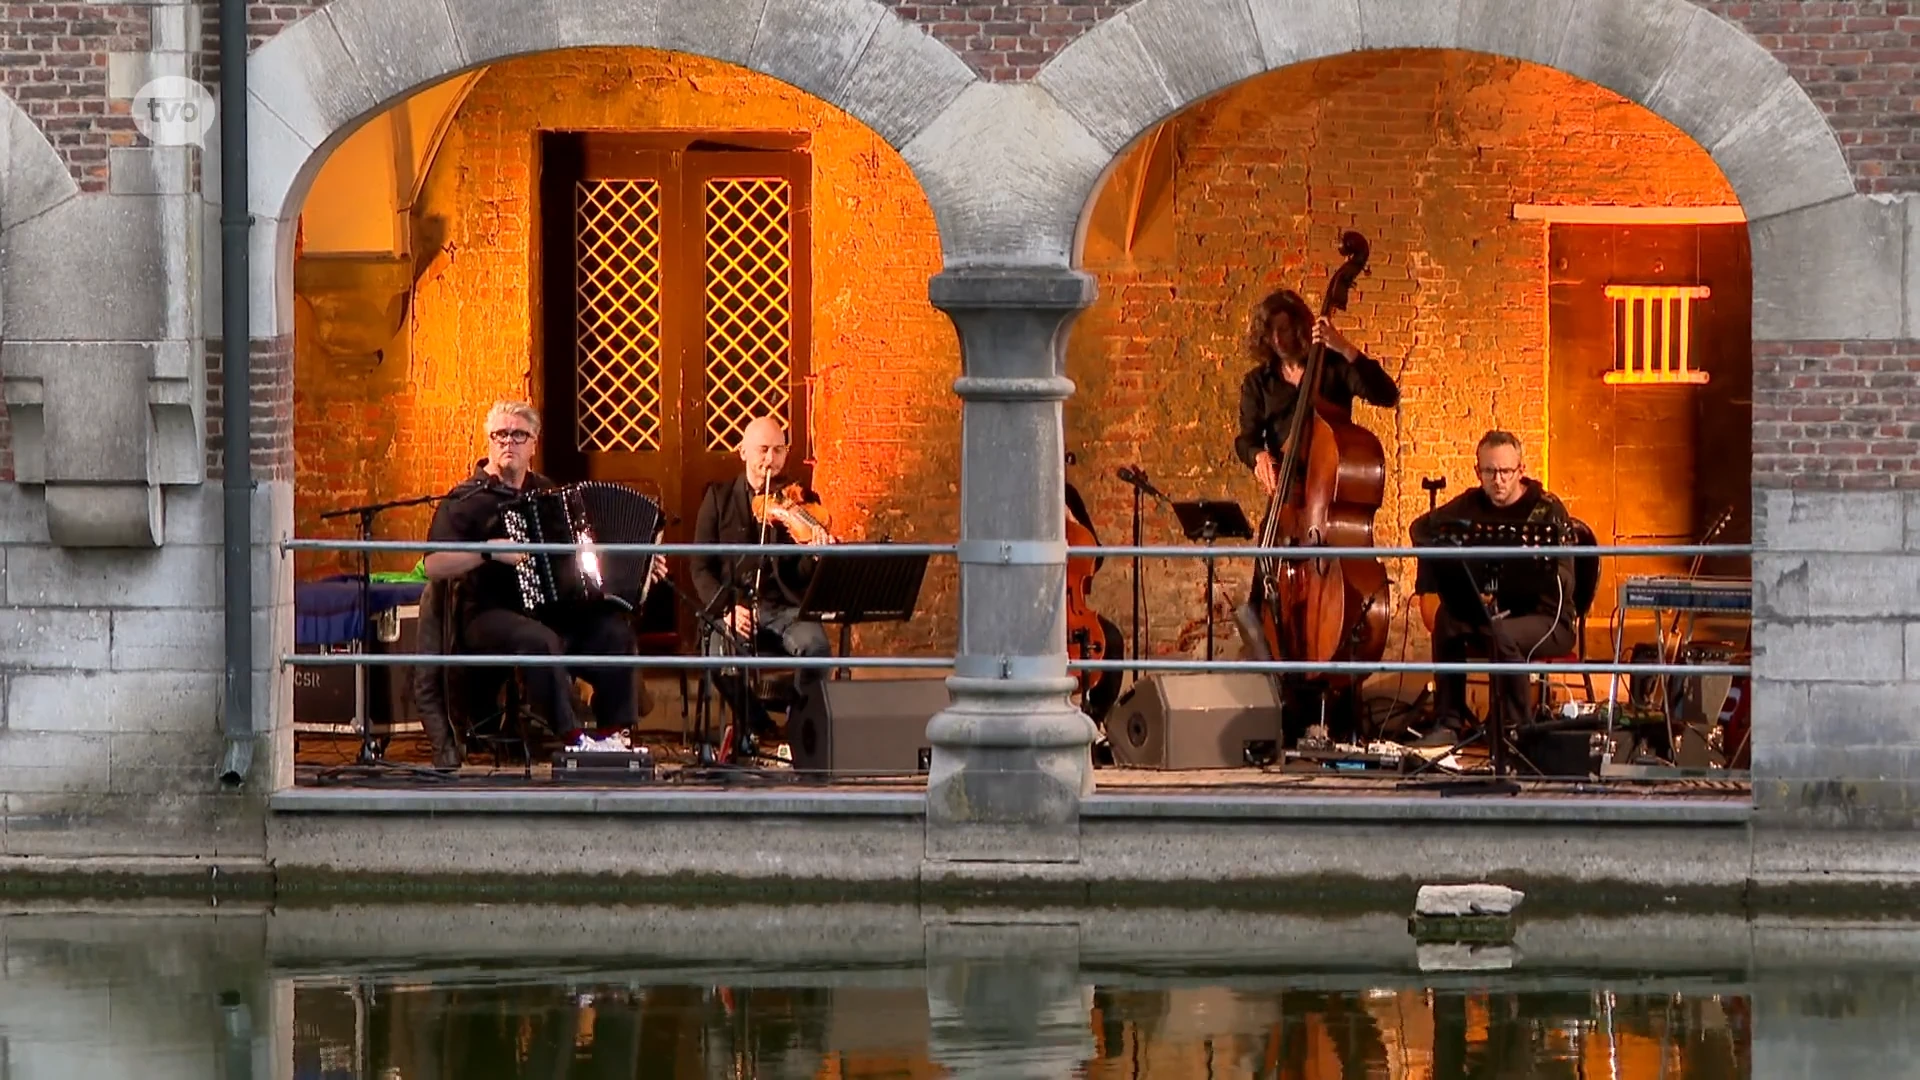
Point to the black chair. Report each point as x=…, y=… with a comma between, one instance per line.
x=656, y=632
x=480, y=706
x=772, y=688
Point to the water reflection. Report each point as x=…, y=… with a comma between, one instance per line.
x=974, y=1018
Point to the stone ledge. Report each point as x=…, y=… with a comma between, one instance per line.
x=1611, y=811
x=597, y=801
x=1103, y=807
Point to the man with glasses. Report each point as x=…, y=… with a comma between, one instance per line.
x=1531, y=614
x=490, y=617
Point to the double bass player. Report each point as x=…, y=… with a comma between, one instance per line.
x=1324, y=478
x=1282, y=330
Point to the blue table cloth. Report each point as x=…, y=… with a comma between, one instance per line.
x=327, y=612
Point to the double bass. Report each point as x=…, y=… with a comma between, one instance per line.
x=1086, y=638
x=1332, y=482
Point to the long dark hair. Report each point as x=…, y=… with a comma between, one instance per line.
x=1279, y=302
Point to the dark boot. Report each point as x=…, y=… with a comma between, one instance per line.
x=429, y=684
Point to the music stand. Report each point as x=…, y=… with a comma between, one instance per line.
x=1209, y=520
x=849, y=591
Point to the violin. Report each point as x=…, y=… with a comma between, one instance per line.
x=804, y=518
x=1332, y=483
x=1086, y=637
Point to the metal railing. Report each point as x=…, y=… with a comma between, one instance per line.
x=1195, y=551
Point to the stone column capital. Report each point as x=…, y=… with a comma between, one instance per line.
x=992, y=288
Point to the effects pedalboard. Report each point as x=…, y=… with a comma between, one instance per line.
x=1348, y=757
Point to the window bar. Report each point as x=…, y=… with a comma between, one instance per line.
x=1649, y=358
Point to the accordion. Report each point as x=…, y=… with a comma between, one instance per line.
x=584, y=514
x=1517, y=534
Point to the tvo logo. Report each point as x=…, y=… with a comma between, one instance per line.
x=174, y=111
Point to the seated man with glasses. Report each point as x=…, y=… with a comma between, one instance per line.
x=490, y=617
x=1529, y=613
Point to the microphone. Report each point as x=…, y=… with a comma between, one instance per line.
x=1133, y=474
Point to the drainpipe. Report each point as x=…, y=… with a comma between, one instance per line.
x=236, y=336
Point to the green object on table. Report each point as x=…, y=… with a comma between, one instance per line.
x=415, y=576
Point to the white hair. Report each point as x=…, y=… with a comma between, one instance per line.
x=514, y=408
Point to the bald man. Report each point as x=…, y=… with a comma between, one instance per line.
x=755, y=597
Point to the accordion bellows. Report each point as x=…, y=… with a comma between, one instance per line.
x=586, y=514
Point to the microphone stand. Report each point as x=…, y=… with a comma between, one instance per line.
x=744, y=738
x=370, y=752
x=1136, y=478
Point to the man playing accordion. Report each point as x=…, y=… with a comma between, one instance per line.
x=493, y=618
x=1530, y=611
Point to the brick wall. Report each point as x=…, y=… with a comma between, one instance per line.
x=1859, y=60
x=1007, y=40
x=1836, y=415
x=53, y=64
x=887, y=432
x=1426, y=153
x=270, y=420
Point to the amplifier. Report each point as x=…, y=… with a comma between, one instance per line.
x=323, y=696
x=1195, y=722
x=866, y=725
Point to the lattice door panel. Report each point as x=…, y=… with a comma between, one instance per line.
x=618, y=327
x=749, y=304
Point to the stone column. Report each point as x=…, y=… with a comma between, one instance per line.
x=1010, y=756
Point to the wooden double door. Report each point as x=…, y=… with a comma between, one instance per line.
x=675, y=303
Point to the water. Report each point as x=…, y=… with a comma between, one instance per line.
x=587, y=1027
x=564, y=993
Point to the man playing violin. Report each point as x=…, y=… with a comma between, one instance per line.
x=759, y=596
x=1283, y=330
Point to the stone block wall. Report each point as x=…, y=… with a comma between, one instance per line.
x=1426, y=153
x=1838, y=666
x=111, y=689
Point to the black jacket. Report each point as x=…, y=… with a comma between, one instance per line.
x=471, y=513
x=726, y=517
x=1527, y=586
x=1267, y=400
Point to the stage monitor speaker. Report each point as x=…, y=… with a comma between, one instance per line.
x=1193, y=721
x=866, y=725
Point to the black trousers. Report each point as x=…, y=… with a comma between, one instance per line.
x=1512, y=640
x=1104, y=692
x=615, y=701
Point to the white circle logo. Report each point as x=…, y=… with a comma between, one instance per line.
x=173, y=111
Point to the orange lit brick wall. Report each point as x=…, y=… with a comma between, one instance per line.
x=1426, y=153
x=886, y=424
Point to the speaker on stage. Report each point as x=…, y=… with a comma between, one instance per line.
x=1193, y=721
x=866, y=725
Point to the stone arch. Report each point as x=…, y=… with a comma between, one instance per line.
x=317, y=80
x=1682, y=62
x=34, y=180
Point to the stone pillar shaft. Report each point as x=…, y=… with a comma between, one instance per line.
x=1010, y=756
